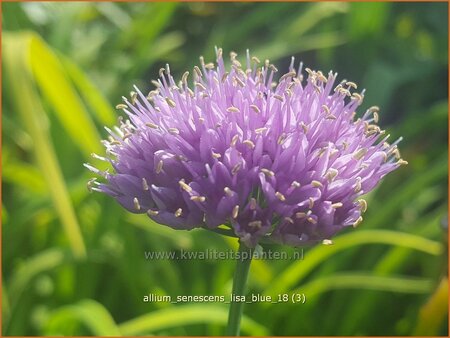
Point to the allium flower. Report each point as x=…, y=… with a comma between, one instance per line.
x=282, y=160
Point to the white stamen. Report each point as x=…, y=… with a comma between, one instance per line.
x=351, y=84
x=151, y=125
x=185, y=77
x=228, y=191
x=234, y=140
x=304, y=127
x=358, y=186
x=358, y=221
x=235, y=169
x=267, y=172
x=281, y=139
x=288, y=219
x=144, y=184
x=173, y=131
x=325, y=107
x=278, y=97
x=198, y=72
x=255, y=224
x=331, y=174
x=363, y=205
x=375, y=117
x=249, y=143
x=159, y=167
x=233, y=110
x=280, y=196
x=356, y=96
x=198, y=198
x=273, y=68
x=133, y=96
x=126, y=136
x=290, y=74
x=300, y=214
x=295, y=184
x=215, y=155
x=170, y=102
x=260, y=130
x=178, y=212
x=184, y=186
x=224, y=76
x=255, y=108
x=360, y=154
x=235, y=212
x=199, y=85
x=137, y=206
x=151, y=212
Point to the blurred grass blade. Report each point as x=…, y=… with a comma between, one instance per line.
x=296, y=271
x=43, y=261
x=432, y=314
x=435, y=173
x=365, y=281
x=5, y=214
x=181, y=239
x=88, y=312
x=6, y=307
x=281, y=48
x=50, y=76
x=100, y=107
x=24, y=175
x=314, y=15
x=367, y=19
x=16, y=48
x=141, y=30
x=395, y=260
x=186, y=315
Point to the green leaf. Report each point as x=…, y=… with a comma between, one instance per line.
x=43, y=261
x=432, y=315
x=50, y=76
x=16, y=47
x=24, y=175
x=88, y=312
x=186, y=315
x=101, y=108
x=310, y=18
x=367, y=18
x=298, y=270
x=282, y=48
x=359, y=281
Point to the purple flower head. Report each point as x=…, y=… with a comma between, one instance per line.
x=282, y=160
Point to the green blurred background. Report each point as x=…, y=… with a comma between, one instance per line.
x=73, y=262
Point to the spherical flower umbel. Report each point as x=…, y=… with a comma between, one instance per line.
x=285, y=161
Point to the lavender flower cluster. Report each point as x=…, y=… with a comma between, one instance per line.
x=285, y=161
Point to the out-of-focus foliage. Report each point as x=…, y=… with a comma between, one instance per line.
x=73, y=262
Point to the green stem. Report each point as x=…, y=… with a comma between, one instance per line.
x=244, y=259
